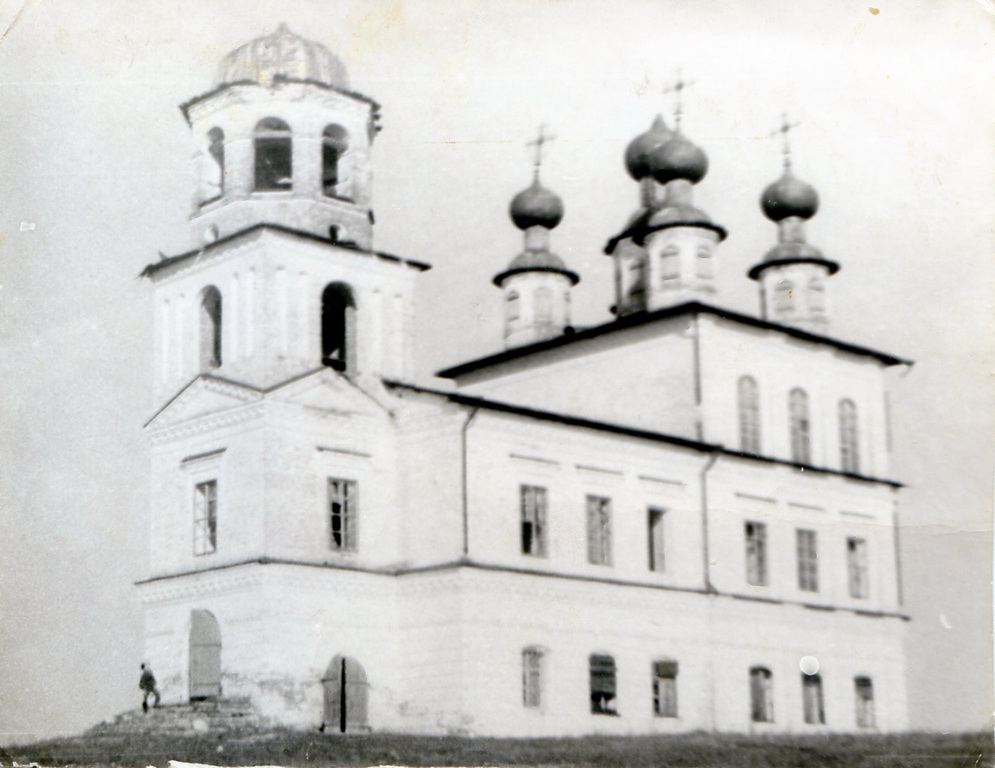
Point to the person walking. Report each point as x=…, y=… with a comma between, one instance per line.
x=148, y=687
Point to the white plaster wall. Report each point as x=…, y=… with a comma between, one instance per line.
x=779, y=363
x=652, y=365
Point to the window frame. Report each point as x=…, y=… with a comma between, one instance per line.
x=533, y=514
x=748, y=402
x=755, y=540
x=343, y=523
x=599, y=529
x=800, y=426
x=656, y=535
x=205, y=517
x=665, y=701
x=807, y=556
x=533, y=667
x=761, y=695
x=603, y=684
x=813, y=701
x=849, y=434
x=858, y=582
x=863, y=690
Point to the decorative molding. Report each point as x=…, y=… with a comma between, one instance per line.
x=537, y=459
x=202, y=457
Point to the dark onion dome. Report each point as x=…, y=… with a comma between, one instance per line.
x=639, y=149
x=536, y=207
x=282, y=54
x=536, y=261
x=678, y=159
x=789, y=196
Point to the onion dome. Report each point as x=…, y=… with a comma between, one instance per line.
x=678, y=159
x=789, y=196
x=639, y=149
x=282, y=54
x=536, y=207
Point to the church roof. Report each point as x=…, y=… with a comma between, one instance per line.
x=151, y=270
x=282, y=54
x=643, y=318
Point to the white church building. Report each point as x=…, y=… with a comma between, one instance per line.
x=679, y=520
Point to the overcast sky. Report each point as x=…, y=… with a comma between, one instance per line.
x=895, y=105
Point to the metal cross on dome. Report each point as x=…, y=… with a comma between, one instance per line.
x=680, y=84
x=538, y=143
x=784, y=129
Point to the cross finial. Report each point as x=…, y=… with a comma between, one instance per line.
x=678, y=89
x=784, y=129
x=542, y=139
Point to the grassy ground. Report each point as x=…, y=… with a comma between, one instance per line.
x=290, y=748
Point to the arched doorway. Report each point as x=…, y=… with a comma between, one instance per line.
x=346, y=693
x=205, y=656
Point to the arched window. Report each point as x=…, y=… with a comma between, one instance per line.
x=749, y=415
x=513, y=308
x=338, y=327
x=817, y=295
x=849, y=450
x=637, y=275
x=798, y=416
x=814, y=711
x=705, y=261
x=532, y=664
x=544, y=305
x=761, y=695
x=665, y=688
x=670, y=265
x=864, y=689
x=272, y=142
x=210, y=328
x=602, y=670
x=334, y=143
x=214, y=166
x=783, y=296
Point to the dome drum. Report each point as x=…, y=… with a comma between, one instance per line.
x=816, y=259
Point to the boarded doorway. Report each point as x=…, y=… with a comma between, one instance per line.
x=205, y=656
x=346, y=693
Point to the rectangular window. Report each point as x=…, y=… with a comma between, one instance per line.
x=665, y=688
x=599, y=530
x=602, y=669
x=808, y=569
x=756, y=554
x=533, y=504
x=657, y=560
x=864, y=689
x=856, y=558
x=814, y=712
x=205, y=517
x=532, y=678
x=343, y=506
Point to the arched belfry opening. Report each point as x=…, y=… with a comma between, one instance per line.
x=334, y=143
x=338, y=327
x=205, y=656
x=215, y=181
x=210, y=328
x=346, y=696
x=273, y=158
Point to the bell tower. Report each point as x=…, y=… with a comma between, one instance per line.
x=281, y=139
x=283, y=278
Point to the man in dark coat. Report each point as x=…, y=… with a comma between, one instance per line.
x=147, y=685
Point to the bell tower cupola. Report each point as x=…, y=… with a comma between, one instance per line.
x=537, y=282
x=793, y=274
x=283, y=140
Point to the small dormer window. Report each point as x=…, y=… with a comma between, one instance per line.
x=334, y=143
x=272, y=143
x=817, y=295
x=670, y=267
x=783, y=296
x=705, y=262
